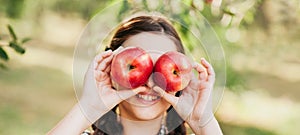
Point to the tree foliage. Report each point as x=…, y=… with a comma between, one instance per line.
x=12, y=8
x=221, y=15
x=14, y=43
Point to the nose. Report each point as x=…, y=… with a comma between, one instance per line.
x=154, y=56
x=150, y=82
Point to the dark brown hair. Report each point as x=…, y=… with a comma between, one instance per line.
x=109, y=123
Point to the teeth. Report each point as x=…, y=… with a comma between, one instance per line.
x=147, y=97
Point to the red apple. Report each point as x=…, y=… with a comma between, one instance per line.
x=131, y=67
x=172, y=71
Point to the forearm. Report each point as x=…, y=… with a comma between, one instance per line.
x=74, y=123
x=211, y=128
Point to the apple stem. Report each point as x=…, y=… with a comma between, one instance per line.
x=175, y=72
x=131, y=67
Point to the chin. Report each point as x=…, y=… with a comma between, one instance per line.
x=146, y=115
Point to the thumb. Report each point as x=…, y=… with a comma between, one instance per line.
x=173, y=100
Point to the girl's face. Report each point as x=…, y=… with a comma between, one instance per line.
x=147, y=105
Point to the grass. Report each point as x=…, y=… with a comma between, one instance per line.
x=230, y=129
x=33, y=99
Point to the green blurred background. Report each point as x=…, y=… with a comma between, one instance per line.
x=261, y=40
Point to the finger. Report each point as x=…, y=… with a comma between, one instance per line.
x=104, y=63
x=100, y=76
x=194, y=85
x=198, y=67
x=201, y=70
x=210, y=70
x=107, y=70
x=100, y=57
x=108, y=54
x=118, y=50
x=125, y=94
x=208, y=66
x=173, y=100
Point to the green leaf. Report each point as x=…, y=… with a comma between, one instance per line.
x=145, y=4
x=17, y=47
x=123, y=9
x=12, y=33
x=24, y=40
x=3, y=54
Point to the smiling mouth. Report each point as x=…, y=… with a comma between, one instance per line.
x=148, y=98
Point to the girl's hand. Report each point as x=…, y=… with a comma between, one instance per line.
x=195, y=104
x=98, y=95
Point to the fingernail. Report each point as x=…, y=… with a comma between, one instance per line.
x=117, y=50
x=137, y=90
x=105, y=53
x=108, y=51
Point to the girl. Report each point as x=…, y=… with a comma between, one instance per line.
x=165, y=113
